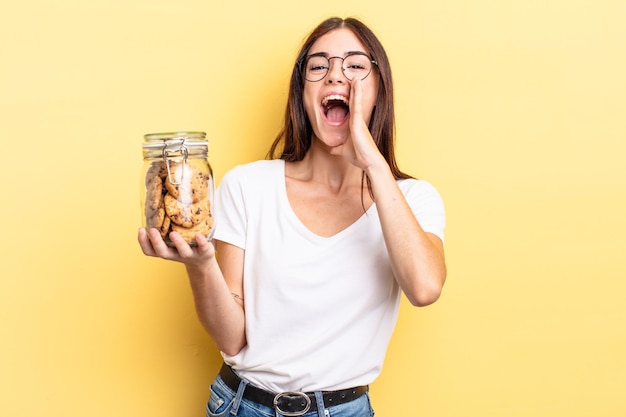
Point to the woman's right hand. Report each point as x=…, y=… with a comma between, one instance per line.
x=152, y=244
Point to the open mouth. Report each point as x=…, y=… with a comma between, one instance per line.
x=336, y=108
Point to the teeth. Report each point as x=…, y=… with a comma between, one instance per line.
x=334, y=97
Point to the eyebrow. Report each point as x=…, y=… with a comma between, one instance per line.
x=326, y=54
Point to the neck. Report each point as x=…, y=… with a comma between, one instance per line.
x=320, y=167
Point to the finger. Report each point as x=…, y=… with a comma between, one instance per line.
x=204, y=246
x=183, y=248
x=355, y=99
x=144, y=242
x=159, y=246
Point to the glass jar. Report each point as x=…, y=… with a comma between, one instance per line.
x=178, y=185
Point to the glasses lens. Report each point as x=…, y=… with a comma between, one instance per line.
x=316, y=68
x=356, y=66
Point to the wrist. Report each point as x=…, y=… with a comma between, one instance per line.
x=378, y=170
x=203, y=268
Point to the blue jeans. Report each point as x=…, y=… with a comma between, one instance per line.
x=224, y=402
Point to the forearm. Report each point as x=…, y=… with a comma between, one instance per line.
x=219, y=312
x=417, y=257
x=221, y=315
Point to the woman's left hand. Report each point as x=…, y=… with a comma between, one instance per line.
x=360, y=149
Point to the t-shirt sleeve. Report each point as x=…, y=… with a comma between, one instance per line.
x=230, y=209
x=427, y=205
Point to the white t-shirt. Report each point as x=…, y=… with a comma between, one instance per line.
x=320, y=311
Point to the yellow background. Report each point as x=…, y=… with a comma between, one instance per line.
x=515, y=110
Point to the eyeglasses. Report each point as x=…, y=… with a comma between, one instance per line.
x=354, y=65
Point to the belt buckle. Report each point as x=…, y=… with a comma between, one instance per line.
x=307, y=405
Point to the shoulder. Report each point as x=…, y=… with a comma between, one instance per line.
x=427, y=205
x=253, y=172
x=415, y=187
x=257, y=167
x=422, y=196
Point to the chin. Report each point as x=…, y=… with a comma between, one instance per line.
x=332, y=140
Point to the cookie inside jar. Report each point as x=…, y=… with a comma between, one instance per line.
x=178, y=185
x=178, y=198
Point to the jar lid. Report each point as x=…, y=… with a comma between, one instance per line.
x=170, y=143
x=154, y=141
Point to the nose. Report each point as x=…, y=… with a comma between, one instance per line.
x=335, y=70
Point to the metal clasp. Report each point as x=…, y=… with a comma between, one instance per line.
x=169, y=155
x=306, y=405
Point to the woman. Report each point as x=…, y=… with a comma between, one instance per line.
x=316, y=243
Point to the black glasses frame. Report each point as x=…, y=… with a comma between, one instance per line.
x=328, y=58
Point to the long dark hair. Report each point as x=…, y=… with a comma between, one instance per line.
x=294, y=139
